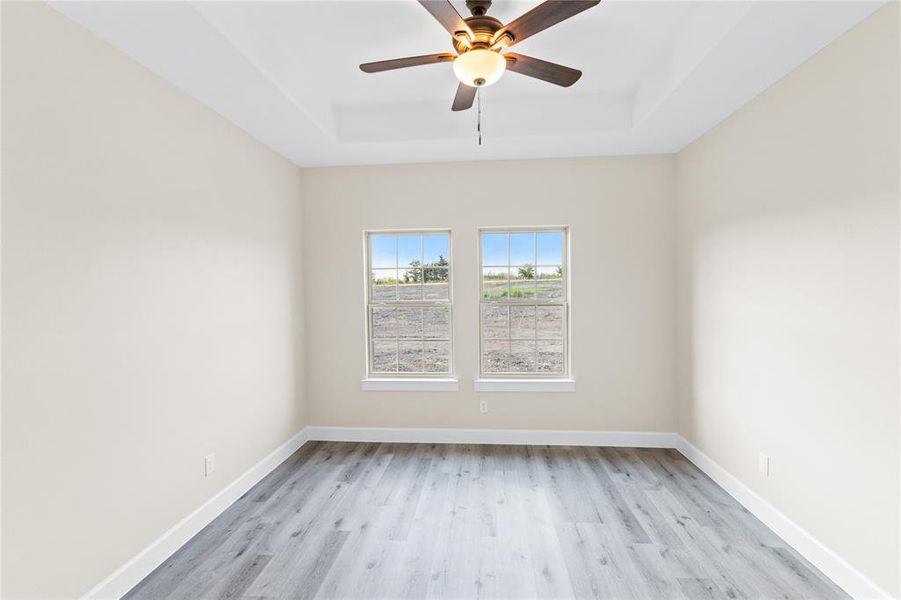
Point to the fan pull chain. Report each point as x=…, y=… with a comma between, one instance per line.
x=479, y=121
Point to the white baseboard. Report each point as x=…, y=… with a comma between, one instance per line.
x=530, y=437
x=827, y=561
x=136, y=569
x=855, y=583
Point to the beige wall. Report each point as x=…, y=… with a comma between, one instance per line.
x=788, y=295
x=151, y=306
x=622, y=232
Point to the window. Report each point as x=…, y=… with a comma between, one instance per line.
x=409, y=304
x=523, y=302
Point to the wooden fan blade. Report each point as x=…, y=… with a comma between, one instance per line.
x=464, y=98
x=445, y=13
x=410, y=61
x=542, y=69
x=541, y=17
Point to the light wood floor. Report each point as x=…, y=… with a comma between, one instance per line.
x=345, y=520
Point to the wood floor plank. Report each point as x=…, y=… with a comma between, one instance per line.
x=701, y=589
x=452, y=521
x=515, y=561
x=549, y=569
x=609, y=502
x=235, y=585
x=423, y=541
x=409, y=502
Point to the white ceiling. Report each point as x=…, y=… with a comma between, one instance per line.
x=656, y=75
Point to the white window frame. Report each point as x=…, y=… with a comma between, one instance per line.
x=408, y=380
x=527, y=380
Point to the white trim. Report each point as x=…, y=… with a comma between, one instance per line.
x=532, y=437
x=132, y=572
x=399, y=384
x=828, y=562
x=525, y=385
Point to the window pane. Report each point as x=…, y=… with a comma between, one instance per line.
x=410, y=287
x=494, y=321
x=382, y=320
x=550, y=322
x=522, y=282
x=550, y=283
x=494, y=283
x=409, y=322
x=384, y=285
x=435, y=286
x=522, y=322
x=550, y=357
x=522, y=357
x=409, y=251
x=384, y=252
x=437, y=357
x=436, y=322
x=523, y=303
x=522, y=248
x=494, y=249
x=409, y=294
x=435, y=250
x=410, y=356
x=550, y=248
x=495, y=356
x=384, y=356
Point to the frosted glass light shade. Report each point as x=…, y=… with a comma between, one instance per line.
x=479, y=67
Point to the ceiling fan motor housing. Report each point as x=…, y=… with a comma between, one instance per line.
x=483, y=29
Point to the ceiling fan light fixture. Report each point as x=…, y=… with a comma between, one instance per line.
x=479, y=67
x=481, y=43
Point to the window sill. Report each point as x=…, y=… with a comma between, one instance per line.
x=400, y=384
x=525, y=385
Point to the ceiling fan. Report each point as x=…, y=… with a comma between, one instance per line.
x=480, y=42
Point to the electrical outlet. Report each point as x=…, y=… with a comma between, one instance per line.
x=483, y=406
x=763, y=462
x=209, y=464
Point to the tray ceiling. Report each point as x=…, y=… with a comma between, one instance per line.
x=657, y=75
